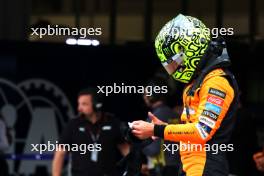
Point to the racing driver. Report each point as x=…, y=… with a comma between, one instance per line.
x=210, y=98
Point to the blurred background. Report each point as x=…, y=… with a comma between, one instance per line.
x=40, y=77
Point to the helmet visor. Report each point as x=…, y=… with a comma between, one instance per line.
x=172, y=64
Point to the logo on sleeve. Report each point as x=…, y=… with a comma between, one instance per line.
x=217, y=92
x=215, y=100
x=201, y=131
x=210, y=114
x=206, y=128
x=212, y=107
x=207, y=121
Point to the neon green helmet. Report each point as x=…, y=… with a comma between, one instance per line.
x=180, y=45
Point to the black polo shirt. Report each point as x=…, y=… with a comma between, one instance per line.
x=106, y=132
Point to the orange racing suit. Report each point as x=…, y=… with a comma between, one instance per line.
x=206, y=123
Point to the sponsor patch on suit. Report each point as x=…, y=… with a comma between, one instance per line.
x=201, y=131
x=210, y=114
x=212, y=107
x=207, y=121
x=215, y=100
x=217, y=92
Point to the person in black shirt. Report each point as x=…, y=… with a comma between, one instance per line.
x=97, y=130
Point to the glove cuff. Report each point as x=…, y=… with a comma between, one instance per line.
x=159, y=130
